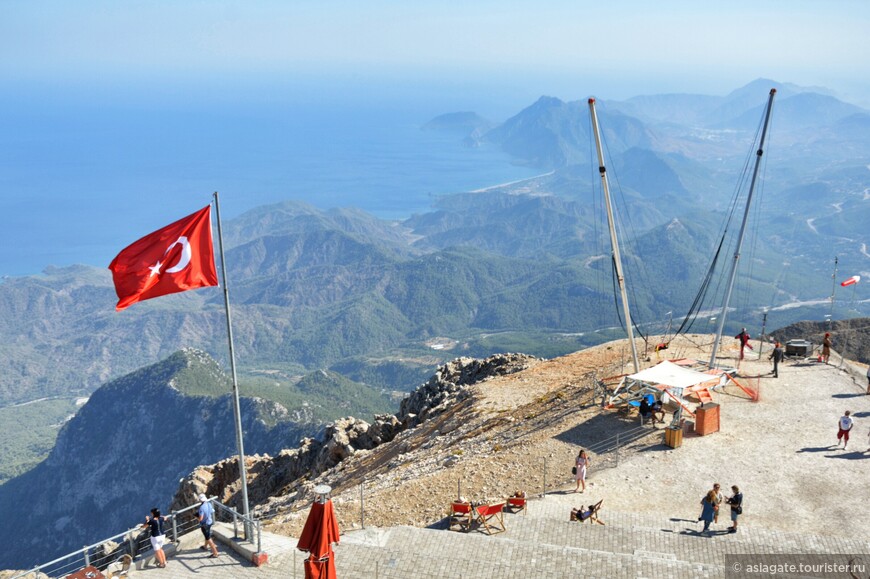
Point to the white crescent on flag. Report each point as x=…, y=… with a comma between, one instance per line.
x=186, y=254
x=851, y=281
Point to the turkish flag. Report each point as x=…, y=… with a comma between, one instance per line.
x=176, y=258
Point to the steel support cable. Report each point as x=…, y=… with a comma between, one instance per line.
x=596, y=210
x=704, y=289
x=754, y=236
x=629, y=237
x=626, y=238
x=695, y=308
x=755, y=211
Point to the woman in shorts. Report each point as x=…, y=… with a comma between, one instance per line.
x=155, y=524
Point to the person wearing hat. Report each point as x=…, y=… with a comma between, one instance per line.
x=206, y=520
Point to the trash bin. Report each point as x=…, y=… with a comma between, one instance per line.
x=674, y=436
x=707, y=418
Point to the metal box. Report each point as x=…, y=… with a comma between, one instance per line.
x=802, y=348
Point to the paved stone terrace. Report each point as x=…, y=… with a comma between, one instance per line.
x=542, y=543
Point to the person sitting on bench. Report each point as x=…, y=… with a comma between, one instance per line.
x=658, y=411
x=645, y=409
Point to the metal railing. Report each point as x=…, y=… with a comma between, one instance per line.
x=135, y=541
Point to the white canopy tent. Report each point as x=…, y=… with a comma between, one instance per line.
x=665, y=376
x=669, y=374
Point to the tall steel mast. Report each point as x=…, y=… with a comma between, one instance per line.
x=614, y=243
x=740, y=235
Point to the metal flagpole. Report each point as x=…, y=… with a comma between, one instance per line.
x=761, y=341
x=236, y=407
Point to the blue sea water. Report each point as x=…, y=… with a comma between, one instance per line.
x=83, y=175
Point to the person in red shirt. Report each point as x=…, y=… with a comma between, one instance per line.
x=743, y=336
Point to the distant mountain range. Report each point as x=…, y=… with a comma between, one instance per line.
x=125, y=451
x=339, y=302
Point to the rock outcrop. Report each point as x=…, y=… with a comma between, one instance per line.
x=290, y=472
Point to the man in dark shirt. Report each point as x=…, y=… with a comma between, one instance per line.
x=777, y=356
x=645, y=409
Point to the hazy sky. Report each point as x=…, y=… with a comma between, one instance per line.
x=158, y=103
x=566, y=48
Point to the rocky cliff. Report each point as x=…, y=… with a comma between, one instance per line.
x=290, y=473
x=125, y=451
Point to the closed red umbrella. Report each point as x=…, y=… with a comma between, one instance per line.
x=320, y=568
x=318, y=535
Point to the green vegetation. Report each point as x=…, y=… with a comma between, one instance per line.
x=28, y=432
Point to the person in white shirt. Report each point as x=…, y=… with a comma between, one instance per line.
x=845, y=426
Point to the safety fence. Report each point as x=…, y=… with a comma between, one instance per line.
x=135, y=542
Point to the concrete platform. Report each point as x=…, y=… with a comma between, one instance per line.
x=541, y=544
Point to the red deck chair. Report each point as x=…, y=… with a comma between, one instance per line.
x=515, y=504
x=490, y=517
x=461, y=516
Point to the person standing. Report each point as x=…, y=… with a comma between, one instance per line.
x=155, y=524
x=717, y=489
x=736, y=502
x=743, y=336
x=580, y=465
x=827, y=344
x=206, y=520
x=846, y=423
x=868, y=380
x=708, y=509
x=777, y=356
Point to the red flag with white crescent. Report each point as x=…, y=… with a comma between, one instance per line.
x=176, y=258
x=851, y=281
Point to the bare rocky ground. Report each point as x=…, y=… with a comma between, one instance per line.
x=522, y=431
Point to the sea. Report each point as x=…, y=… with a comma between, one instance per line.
x=87, y=170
